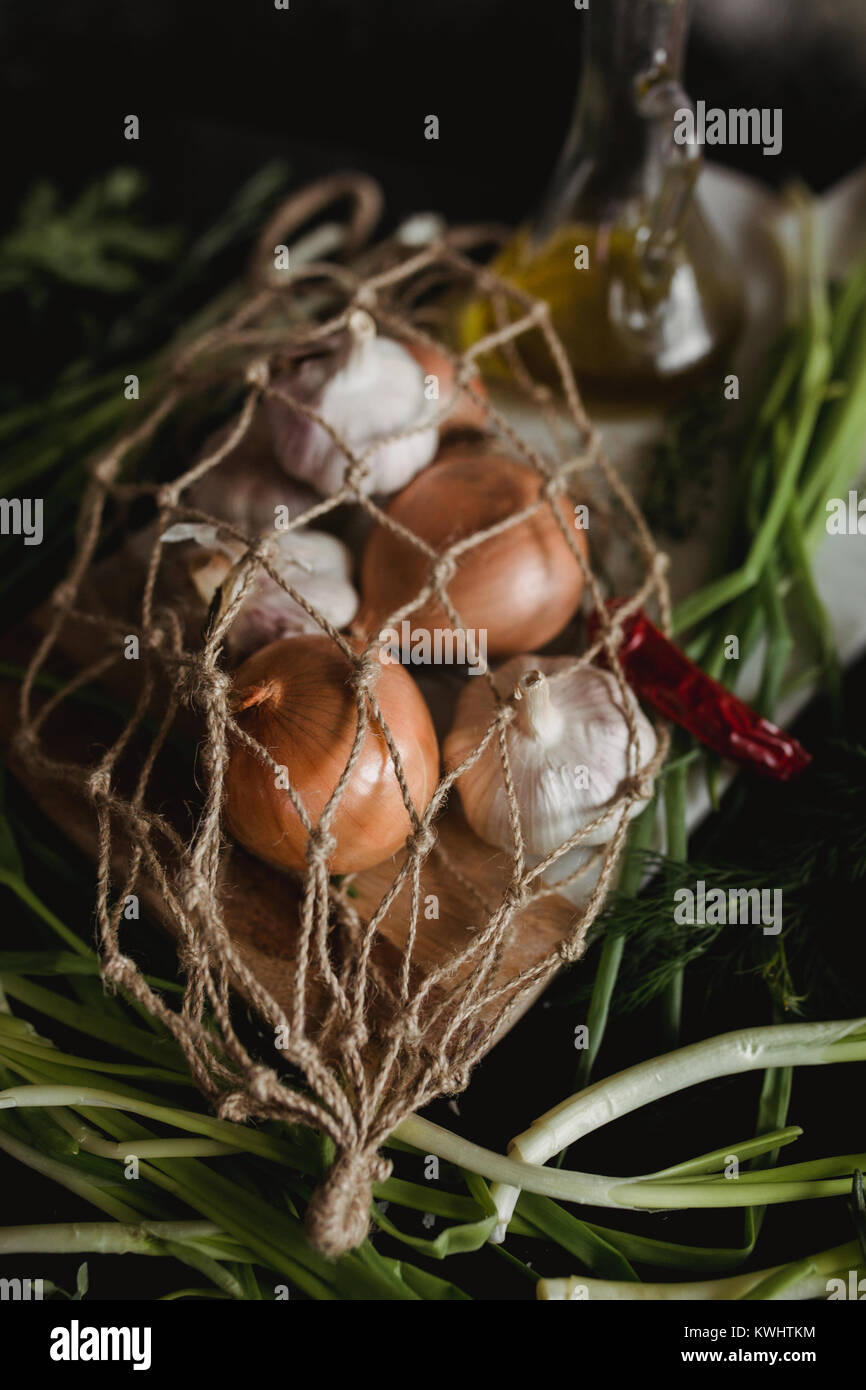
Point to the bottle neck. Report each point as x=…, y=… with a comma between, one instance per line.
x=633, y=48
x=631, y=44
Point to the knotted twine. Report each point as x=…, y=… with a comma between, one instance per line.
x=362, y=1076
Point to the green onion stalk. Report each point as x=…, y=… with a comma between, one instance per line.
x=77, y=1135
x=752, y=1049
x=813, y=1277
x=223, y=1199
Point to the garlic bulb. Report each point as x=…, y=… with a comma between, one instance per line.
x=376, y=391
x=247, y=486
x=568, y=747
x=317, y=566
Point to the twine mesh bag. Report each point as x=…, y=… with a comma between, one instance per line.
x=384, y=1042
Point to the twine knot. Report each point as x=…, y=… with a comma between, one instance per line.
x=356, y=476
x=570, y=951
x=167, y=495
x=422, y=842
x=637, y=788
x=516, y=895
x=105, y=469
x=321, y=845
x=259, y=1083
x=338, y=1217
x=380, y=1168
x=188, y=962
x=117, y=968
x=193, y=887
x=98, y=783
x=64, y=594
x=233, y=1106
x=258, y=373
x=554, y=486
x=444, y=571
x=367, y=673
x=199, y=684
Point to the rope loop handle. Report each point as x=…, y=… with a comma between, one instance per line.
x=347, y=237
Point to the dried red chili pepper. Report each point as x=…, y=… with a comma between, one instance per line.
x=665, y=678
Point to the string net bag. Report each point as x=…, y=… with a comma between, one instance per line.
x=386, y=1041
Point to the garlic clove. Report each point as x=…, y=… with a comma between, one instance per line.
x=209, y=573
x=375, y=391
x=315, y=564
x=198, y=531
x=568, y=747
x=269, y=613
x=316, y=551
x=248, y=488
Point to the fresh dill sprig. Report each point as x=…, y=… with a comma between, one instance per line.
x=814, y=845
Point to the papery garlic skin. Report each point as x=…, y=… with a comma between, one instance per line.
x=376, y=392
x=568, y=749
x=247, y=487
x=584, y=864
x=315, y=564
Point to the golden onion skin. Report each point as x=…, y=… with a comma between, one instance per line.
x=296, y=698
x=522, y=586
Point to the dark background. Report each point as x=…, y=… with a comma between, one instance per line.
x=222, y=88
x=222, y=85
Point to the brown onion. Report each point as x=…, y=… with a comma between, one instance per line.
x=295, y=697
x=466, y=413
x=521, y=586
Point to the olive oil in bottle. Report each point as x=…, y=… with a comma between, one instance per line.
x=645, y=299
